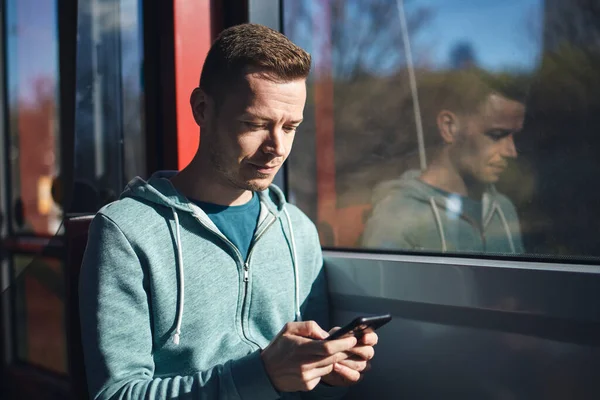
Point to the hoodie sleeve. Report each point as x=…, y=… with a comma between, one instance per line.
x=117, y=336
x=316, y=309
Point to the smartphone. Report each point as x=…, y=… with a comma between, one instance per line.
x=361, y=325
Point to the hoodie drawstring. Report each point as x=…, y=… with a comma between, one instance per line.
x=181, y=291
x=177, y=333
x=438, y=221
x=294, y=264
x=497, y=208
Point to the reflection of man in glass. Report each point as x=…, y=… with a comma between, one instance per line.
x=453, y=205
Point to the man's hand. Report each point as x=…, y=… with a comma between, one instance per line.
x=295, y=361
x=349, y=371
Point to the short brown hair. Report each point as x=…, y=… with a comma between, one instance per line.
x=252, y=46
x=463, y=92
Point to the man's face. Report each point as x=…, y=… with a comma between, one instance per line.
x=250, y=133
x=484, y=143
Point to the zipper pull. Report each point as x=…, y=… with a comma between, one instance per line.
x=246, y=272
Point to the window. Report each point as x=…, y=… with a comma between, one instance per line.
x=448, y=126
x=32, y=71
x=109, y=149
x=35, y=294
x=109, y=143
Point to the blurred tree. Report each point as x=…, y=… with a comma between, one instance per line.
x=462, y=55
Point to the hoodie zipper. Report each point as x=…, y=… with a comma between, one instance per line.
x=257, y=238
x=477, y=228
x=247, y=273
x=245, y=265
x=246, y=268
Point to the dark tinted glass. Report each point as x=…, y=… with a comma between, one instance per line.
x=40, y=312
x=109, y=141
x=463, y=127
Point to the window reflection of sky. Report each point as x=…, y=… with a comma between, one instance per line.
x=32, y=44
x=33, y=41
x=503, y=34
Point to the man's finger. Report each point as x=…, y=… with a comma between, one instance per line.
x=307, y=329
x=348, y=374
x=369, y=339
x=334, y=329
x=355, y=364
x=364, y=352
x=319, y=361
x=318, y=372
x=330, y=347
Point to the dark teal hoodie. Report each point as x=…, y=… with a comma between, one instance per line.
x=170, y=310
x=409, y=214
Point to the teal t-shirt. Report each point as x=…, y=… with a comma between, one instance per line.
x=466, y=205
x=237, y=223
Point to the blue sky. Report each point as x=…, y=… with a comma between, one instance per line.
x=32, y=43
x=33, y=40
x=504, y=34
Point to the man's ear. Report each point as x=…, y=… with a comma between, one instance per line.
x=447, y=123
x=199, y=103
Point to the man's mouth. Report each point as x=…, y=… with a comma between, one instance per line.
x=498, y=167
x=265, y=169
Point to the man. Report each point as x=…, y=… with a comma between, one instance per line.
x=453, y=205
x=189, y=277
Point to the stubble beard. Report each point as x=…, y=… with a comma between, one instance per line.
x=234, y=178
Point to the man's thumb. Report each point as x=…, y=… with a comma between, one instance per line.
x=308, y=329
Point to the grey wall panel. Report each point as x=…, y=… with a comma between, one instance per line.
x=550, y=290
x=496, y=330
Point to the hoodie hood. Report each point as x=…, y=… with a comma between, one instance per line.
x=159, y=190
x=407, y=181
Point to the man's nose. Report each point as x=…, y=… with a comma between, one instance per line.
x=509, y=150
x=275, y=143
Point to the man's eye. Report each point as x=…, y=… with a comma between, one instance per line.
x=497, y=135
x=289, y=129
x=255, y=126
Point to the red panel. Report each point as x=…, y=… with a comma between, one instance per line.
x=350, y=225
x=325, y=129
x=192, y=42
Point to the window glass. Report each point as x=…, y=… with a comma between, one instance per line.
x=40, y=312
x=462, y=127
x=32, y=59
x=109, y=142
